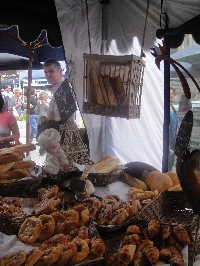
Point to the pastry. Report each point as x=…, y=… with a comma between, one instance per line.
x=14, y=259
x=153, y=228
x=165, y=231
x=165, y=254
x=46, y=206
x=81, y=254
x=33, y=256
x=152, y=254
x=125, y=255
x=93, y=205
x=67, y=253
x=30, y=230
x=119, y=217
x=181, y=234
x=133, y=229
x=96, y=248
x=48, y=227
x=49, y=192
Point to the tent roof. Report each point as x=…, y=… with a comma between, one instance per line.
x=32, y=17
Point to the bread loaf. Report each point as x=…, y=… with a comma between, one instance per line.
x=132, y=181
x=156, y=180
x=113, y=85
x=95, y=86
x=109, y=91
x=174, y=178
x=103, y=90
x=25, y=147
x=5, y=167
x=109, y=166
x=24, y=164
x=8, y=155
x=120, y=88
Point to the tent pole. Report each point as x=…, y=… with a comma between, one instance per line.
x=31, y=51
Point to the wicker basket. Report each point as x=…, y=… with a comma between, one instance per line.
x=23, y=188
x=130, y=69
x=170, y=207
x=102, y=180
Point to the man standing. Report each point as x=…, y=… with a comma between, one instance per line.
x=7, y=95
x=54, y=76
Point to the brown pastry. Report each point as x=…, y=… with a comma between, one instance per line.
x=112, y=260
x=131, y=239
x=165, y=231
x=165, y=254
x=33, y=256
x=67, y=253
x=119, y=217
x=83, y=251
x=139, y=259
x=142, y=244
x=105, y=215
x=126, y=254
x=171, y=241
x=131, y=207
x=96, y=248
x=48, y=227
x=133, y=229
x=49, y=192
x=30, y=230
x=181, y=234
x=153, y=228
x=93, y=205
x=14, y=259
x=176, y=257
x=152, y=254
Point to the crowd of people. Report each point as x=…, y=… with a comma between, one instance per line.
x=12, y=107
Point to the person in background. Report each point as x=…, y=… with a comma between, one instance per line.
x=15, y=103
x=54, y=76
x=172, y=130
x=184, y=104
x=33, y=116
x=42, y=105
x=9, y=130
x=8, y=92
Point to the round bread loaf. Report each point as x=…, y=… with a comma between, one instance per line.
x=156, y=180
x=173, y=177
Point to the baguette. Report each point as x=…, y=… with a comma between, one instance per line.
x=120, y=88
x=95, y=86
x=24, y=164
x=5, y=167
x=103, y=90
x=113, y=85
x=10, y=155
x=110, y=93
x=109, y=166
x=25, y=147
x=15, y=174
x=96, y=166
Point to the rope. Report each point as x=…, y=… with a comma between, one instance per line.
x=88, y=24
x=147, y=10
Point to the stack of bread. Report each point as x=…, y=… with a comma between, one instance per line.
x=107, y=90
x=12, y=166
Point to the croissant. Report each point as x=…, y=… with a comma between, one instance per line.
x=165, y=254
x=142, y=244
x=165, y=232
x=171, y=241
x=133, y=229
x=181, y=234
x=176, y=258
x=131, y=239
x=152, y=254
x=126, y=254
x=112, y=260
x=153, y=228
x=139, y=259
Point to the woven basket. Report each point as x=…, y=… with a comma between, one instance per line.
x=102, y=180
x=130, y=69
x=22, y=188
x=170, y=207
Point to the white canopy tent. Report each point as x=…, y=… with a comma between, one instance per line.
x=135, y=139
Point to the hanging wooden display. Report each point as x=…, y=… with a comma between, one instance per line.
x=113, y=85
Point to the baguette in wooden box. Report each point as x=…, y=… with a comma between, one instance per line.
x=108, y=167
x=95, y=86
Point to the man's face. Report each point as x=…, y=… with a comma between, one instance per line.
x=52, y=74
x=8, y=88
